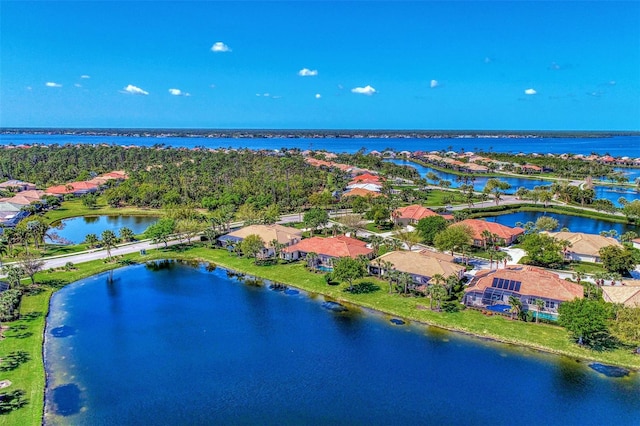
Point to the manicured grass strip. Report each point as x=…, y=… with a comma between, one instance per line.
x=74, y=208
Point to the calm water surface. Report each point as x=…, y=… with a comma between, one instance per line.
x=617, y=146
x=610, y=193
x=75, y=230
x=574, y=223
x=180, y=345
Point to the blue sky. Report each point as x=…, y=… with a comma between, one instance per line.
x=369, y=65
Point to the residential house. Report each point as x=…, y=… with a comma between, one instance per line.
x=17, y=185
x=361, y=192
x=584, y=247
x=492, y=288
x=501, y=234
x=411, y=215
x=75, y=188
x=628, y=294
x=284, y=235
x=328, y=249
x=636, y=243
x=422, y=266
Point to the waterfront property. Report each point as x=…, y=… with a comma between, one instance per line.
x=270, y=235
x=490, y=232
x=584, y=247
x=527, y=283
x=422, y=266
x=327, y=249
x=627, y=294
x=411, y=215
x=74, y=188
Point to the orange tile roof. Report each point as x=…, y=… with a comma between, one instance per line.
x=536, y=282
x=340, y=246
x=366, y=178
x=360, y=192
x=71, y=187
x=501, y=231
x=414, y=212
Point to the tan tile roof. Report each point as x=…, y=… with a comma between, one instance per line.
x=582, y=243
x=438, y=255
x=627, y=295
x=536, y=282
x=268, y=233
x=340, y=246
x=414, y=212
x=421, y=263
x=501, y=231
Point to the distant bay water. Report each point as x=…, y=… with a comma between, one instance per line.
x=618, y=146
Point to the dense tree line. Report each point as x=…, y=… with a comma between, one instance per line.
x=161, y=177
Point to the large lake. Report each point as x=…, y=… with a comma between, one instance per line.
x=179, y=345
x=75, y=230
x=574, y=223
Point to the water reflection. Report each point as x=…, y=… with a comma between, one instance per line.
x=606, y=192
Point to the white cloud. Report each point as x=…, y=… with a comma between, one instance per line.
x=52, y=84
x=220, y=47
x=366, y=90
x=306, y=72
x=85, y=76
x=178, y=92
x=433, y=84
x=29, y=88
x=134, y=90
x=77, y=85
x=318, y=95
x=530, y=92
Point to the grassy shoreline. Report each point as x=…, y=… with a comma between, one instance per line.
x=30, y=376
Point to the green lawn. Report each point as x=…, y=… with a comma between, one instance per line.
x=74, y=208
x=26, y=334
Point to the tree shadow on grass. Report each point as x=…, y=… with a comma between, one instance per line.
x=18, y=332
x=364, y=287
x=13, y=360
x=53, y=283
x=30, y=316
x=10, y=401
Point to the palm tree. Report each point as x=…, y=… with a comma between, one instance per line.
x=539, y=308
x=91, y=240
x=126, y=234
x=312, y=260
x=516, y=305
x=393, y=244
x=438, y=292
x=4, y=247
x=109, y=241
x=450, y=282
x=404, y=279
x=376, y=242
x=486, y=238
x=389, y=273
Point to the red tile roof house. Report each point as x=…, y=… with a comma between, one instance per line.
x=411, y=215
x=505, y=234
x=367, y=178
x=75, y=188
x=493, y=288
x=327, y=249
